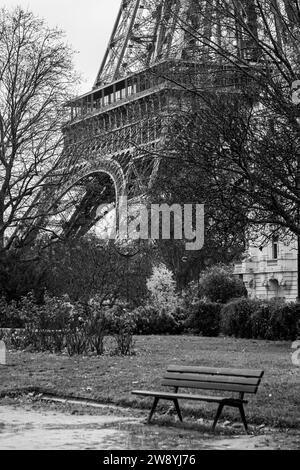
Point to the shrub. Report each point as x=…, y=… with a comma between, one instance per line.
x=121, y=325
x=97, y=327
x=283, y=321
x=272, y=320
x=181, y=315
x=143, y=317
x=236, y=318
x=162, y=289
x=164, y=313
x=36, y=336
x=205, y=319
x=218, y=284
x=191, y=294
x=14, y=339
x=260, y=321
x=46, y=325
x=77, y=341
x=79, y=328
x=10, y=316
x=56, y=313
x=275, y=320
x=150, y=321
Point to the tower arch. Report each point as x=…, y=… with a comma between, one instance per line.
x=92, y=186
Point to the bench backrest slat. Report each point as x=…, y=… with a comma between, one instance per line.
x=217, y=371
x=209, y=378
x=209, y=386
x=225, y=379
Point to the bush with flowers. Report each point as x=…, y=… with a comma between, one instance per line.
x=58, y=325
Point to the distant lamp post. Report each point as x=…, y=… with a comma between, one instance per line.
x=295, y=89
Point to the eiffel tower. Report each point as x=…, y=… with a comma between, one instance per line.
x=116, y=134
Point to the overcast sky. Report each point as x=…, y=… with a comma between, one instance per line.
x=88, y=25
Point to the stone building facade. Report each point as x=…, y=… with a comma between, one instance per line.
x=270, y=271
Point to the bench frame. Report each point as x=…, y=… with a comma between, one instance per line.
x=230, y=375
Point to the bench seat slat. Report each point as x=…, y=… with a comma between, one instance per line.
x=214, y=378
x=183, y=396
x=209, y=385
x=217, y=371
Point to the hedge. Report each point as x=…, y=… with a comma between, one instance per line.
x=270, y=320
x=205, y=319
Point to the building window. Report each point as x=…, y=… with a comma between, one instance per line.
x=275, y=248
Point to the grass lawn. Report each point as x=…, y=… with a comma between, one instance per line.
x=110, y=379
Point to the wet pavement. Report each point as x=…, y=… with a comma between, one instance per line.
x=25, y=428
x=31, y=429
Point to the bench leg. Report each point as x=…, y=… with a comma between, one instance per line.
x=178, y=410
x=156, y=400
x=243, y=416
x=219, y=412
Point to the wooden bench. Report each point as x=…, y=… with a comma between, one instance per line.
x=239, y=381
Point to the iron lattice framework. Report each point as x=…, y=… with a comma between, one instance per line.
x=143, y=35
x=116, y=135
x=149, y=31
